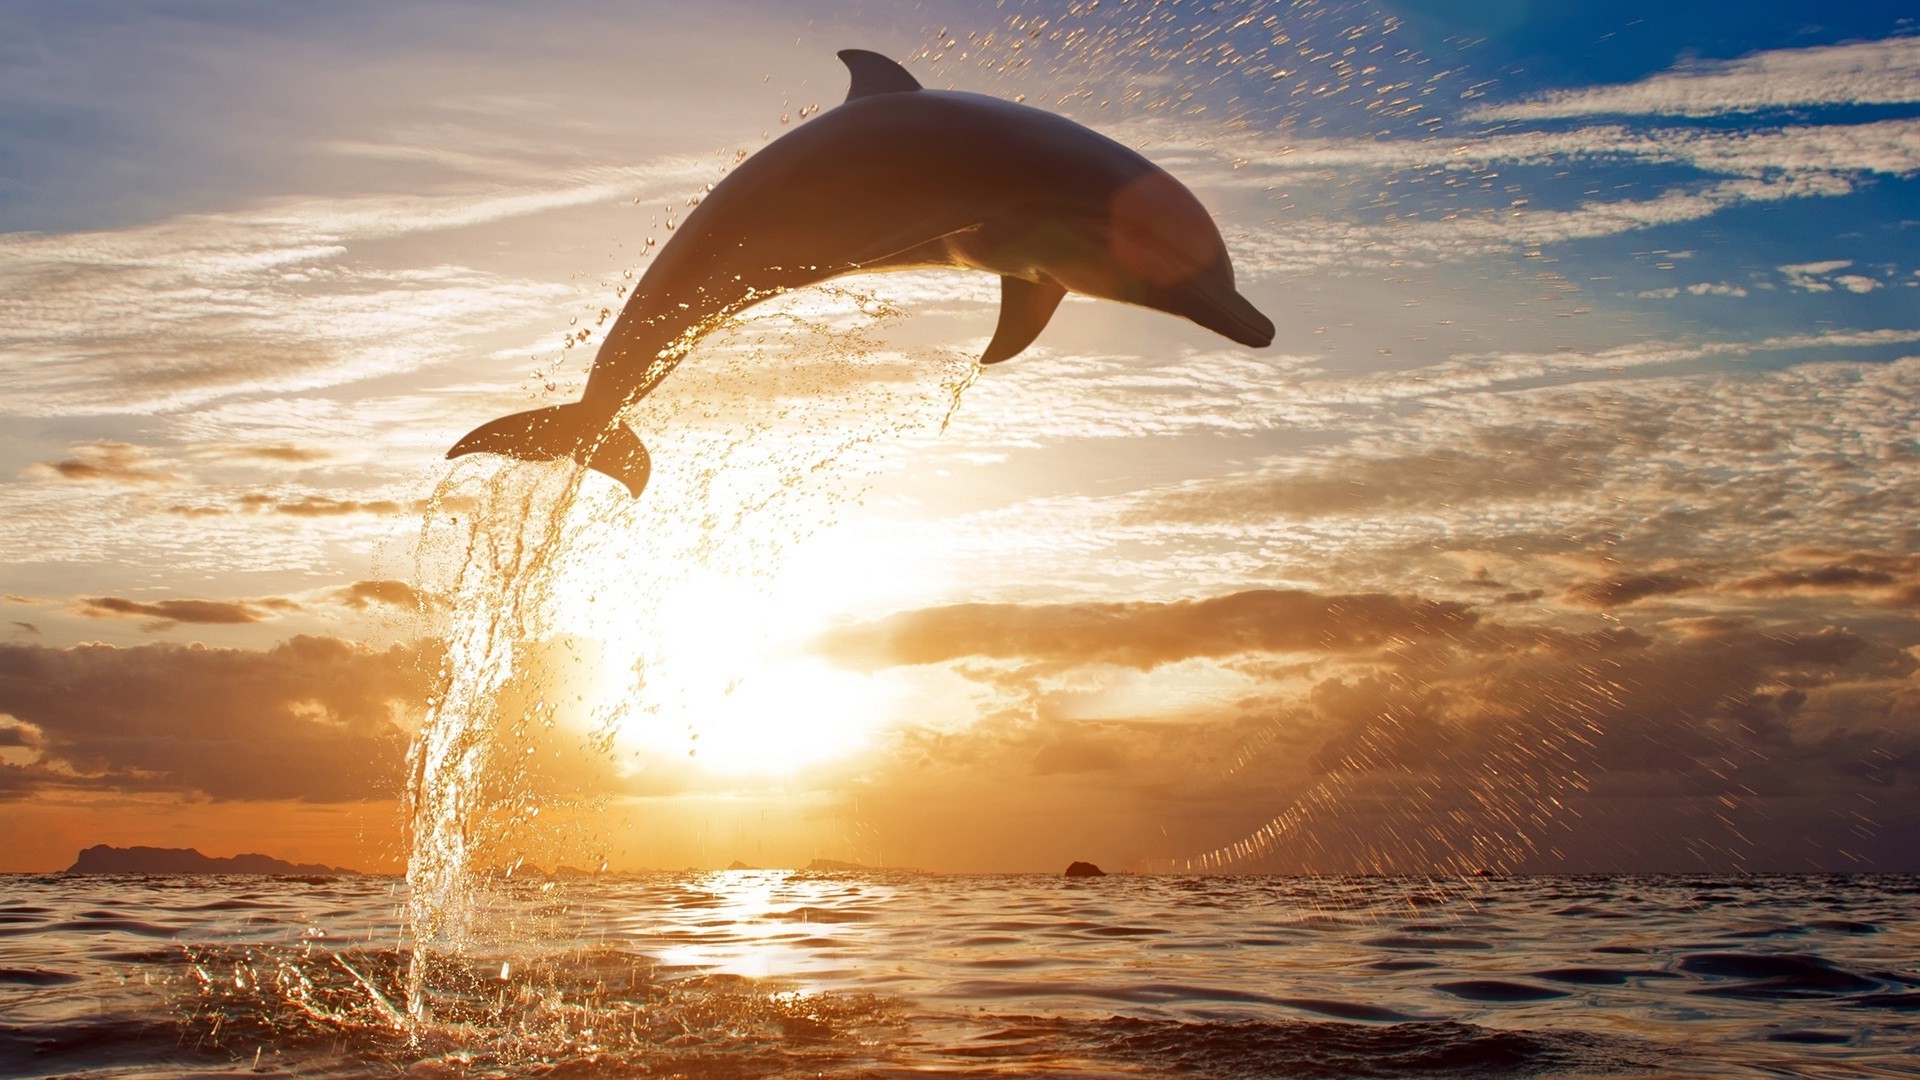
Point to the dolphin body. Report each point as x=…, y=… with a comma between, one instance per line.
x=898, y=176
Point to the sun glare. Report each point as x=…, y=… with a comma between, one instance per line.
x=704, y=658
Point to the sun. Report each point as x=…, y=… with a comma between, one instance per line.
x=733, y=687
x=704, y=653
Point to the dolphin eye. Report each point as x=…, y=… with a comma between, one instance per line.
x=1158, y=230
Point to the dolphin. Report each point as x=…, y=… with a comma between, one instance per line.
x=898, y=177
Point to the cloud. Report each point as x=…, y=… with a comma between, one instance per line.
x=1873, y=72
x=166, y=614
x=1875, y=577
x=275, y=454
x=1482, y=371
x=1148, y=634
x=1331, y=243
x=1467, y=743
x=313, y=719
x=1612, y=592
x=323, y=507
x=1881, y=146
x=1820, y=277
x=1704, y=288
x=306, y=506
x=1743, y=167
x=1811, y=277
x=198, y=308
x=1512, y=464
x=106, y=463
x=1525, y=465
x=397, y=594
x=1891, y=579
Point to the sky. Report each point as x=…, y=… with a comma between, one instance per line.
x=1567, y=525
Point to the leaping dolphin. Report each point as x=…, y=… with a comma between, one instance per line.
x=898, y=176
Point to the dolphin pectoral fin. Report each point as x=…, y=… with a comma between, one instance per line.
x=563, y=431
x=1025, y=308
x=875, y=74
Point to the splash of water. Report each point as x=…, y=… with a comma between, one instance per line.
x=569, y=601
x=511, y=547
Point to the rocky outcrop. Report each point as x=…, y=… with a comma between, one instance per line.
x=106, y=859
x=1084, y=869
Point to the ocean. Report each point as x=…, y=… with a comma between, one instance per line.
x=795, y=974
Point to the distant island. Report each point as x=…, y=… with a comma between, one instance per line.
x=834, y=866
x=107, y=859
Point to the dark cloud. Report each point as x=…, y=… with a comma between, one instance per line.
x=310, y=506
x=1877, y=576
x=26, y=627
x=1082, y=748
x=1707, y=743
x=279, y=454
x=1145, y=635
x=1612, y=592
x=1483, y=579
x=106, y=462
x=1844, y=578
x=363, y=594
x=319, y=507
x=313, y=719
x=1498, y=466
x=18, y=736
x=165, y=614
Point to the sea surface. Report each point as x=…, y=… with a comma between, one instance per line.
x=785, y=974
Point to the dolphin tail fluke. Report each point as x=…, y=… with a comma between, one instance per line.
x=564, y=431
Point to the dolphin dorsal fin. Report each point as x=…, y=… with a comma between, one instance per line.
x=875, y=74
x=1025, y=307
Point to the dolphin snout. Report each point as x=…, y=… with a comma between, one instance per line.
x=1232, y=316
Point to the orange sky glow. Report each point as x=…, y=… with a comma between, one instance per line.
x=1510, y=552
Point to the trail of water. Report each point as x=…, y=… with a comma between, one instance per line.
x=512, y=546
x=582, y=621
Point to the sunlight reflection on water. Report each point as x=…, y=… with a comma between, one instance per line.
x=779, y=973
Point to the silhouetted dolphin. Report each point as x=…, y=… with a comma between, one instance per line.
x=898, y=176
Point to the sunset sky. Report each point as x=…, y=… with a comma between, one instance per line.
x=1568, y=524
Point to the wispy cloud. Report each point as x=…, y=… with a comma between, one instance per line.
x=106, y=463
x=1885, y=146
x=285, y=454
x=1873, y=72
x=166, y=614
x=194, y=309
x=1148, y=635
